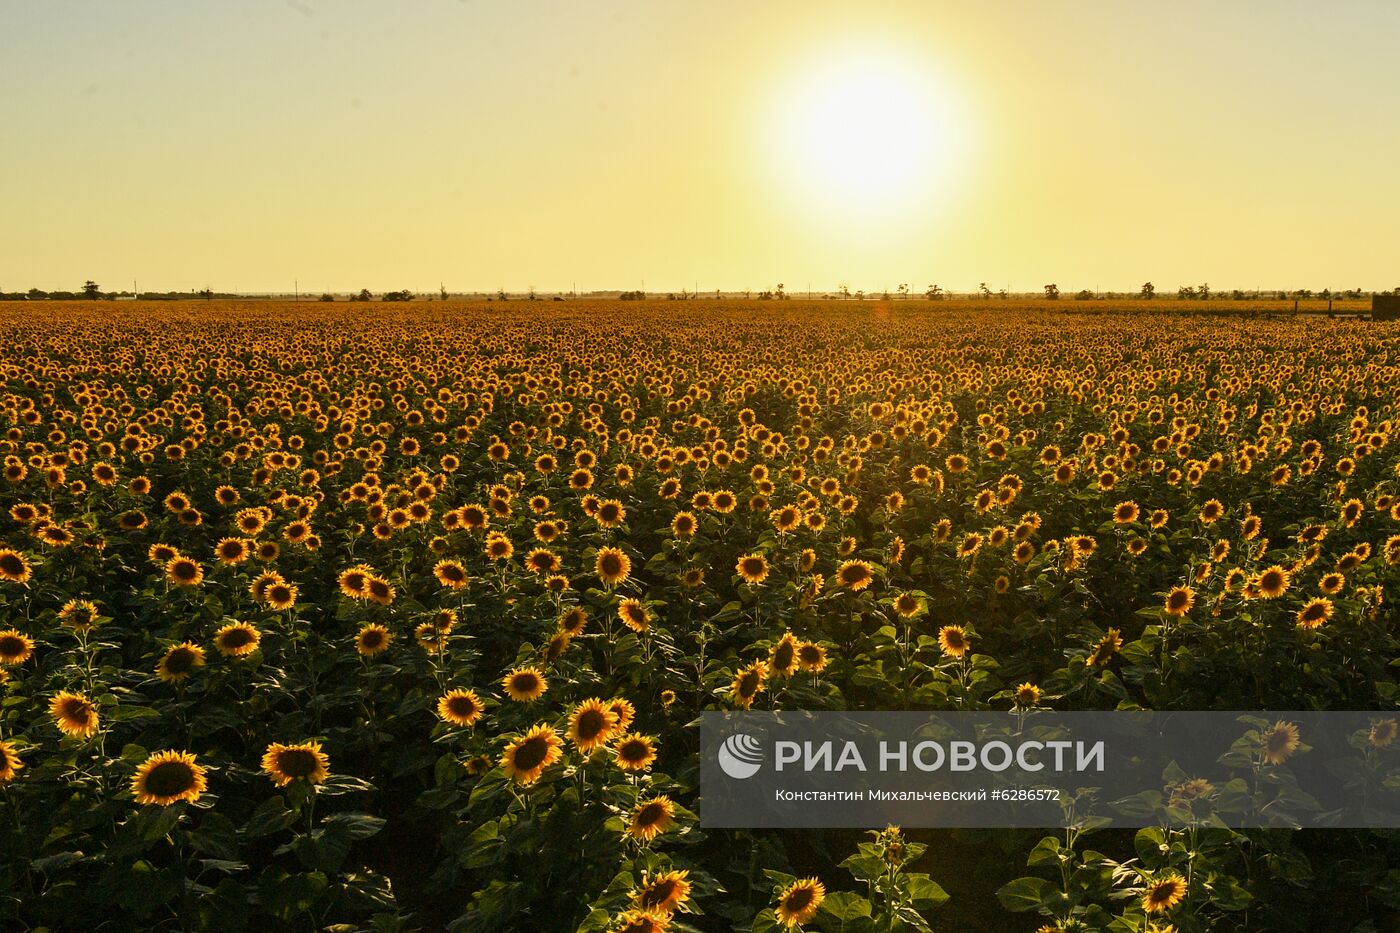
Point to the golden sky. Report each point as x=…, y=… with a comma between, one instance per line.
x=243, y=146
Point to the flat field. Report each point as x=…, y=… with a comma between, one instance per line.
x=401, y=616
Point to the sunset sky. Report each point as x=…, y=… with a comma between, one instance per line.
x=730, y=144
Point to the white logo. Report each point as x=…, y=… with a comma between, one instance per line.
x=740, y=756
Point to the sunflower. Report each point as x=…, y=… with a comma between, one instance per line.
x=78, y=615
x=15, y=647
x=352, y=582
x=1315, y=613
x=634, y=615
x=693, y=577
x=782, y=660
x=179, y=661
x=1027, y=695
x=573, y=620
x=634, y=752
x=524, y=684
x=592, y=724
x=854, y=575
x=1273, y=582
x=798, y=902
x=10, y=764
x=953, y=640
x=640, y=921
x=526, y=758
x=663, y=892
x=812, y=657
x=625, y=712
x=1179, y=601
x=1383, y=733
x=650, y=818
x=753, y=568
x=237, y=639
x=74, y=714
x=281, y=595
x=372, y=640
x=182, y=571
x=168, y=777
x=907, y=605
x=460, y=707
x=1125, y=512
x=748, y=683
x=451, y=574
x=1163, y=893
x=232, y=550
x=1280, y=741
x=301, y=762
x=612, y=566
x=378, y=590
x=1107, y=647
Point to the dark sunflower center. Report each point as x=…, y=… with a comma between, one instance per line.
x=783, y=657
x=748, y=684
x=180, y=661
x=11, y=646
x=611, y=565
x=658, y=894
x=531, y=753
x=799, y=900
x=169, y=778
x=185, y=570
x=78, y=711
x=297, y=762
x=591, y=724
x=237, y=638
x=524, y=683
x=462, y=707
x=372, y=639
x=633, y=751
x=651, y=814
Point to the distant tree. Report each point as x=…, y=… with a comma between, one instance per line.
x=1052, y=291
x=442, y=292
x=844, y=289
x=903, y=289
x=401, y=295
x=91, y=289
x=1002, y=294
x=633, y=296
x=206, y=293
x=327, y=297
x=1185, y=291
x=1148, y=291
x=934, y=293
x=779, y=293
x=1325, y=294
x=860, y=294
x=36, y=294
x=1084, y=295
x=1303, y=293
x=1203, y=290
x=986, y=292
x=364, y=295
x=1236, y=295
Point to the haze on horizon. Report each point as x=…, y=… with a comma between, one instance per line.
x=355, y=144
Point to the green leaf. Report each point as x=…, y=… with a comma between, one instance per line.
x=1025, y=894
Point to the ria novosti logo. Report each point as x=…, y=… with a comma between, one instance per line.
x=741, y=756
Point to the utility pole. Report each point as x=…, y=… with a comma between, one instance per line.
x=296, y=290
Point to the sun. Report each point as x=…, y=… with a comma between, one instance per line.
x=865, y=131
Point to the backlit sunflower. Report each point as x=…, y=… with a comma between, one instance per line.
x=612, y=566
x=640, y=921
x=179, y=661
x=798, y=902
x=10, y=764
x=15, y=647
x=854, y=575
x=1273, y=582
x=168, y=777
x=592, y=725
x=664, y=892
x=782, y=660
x=232, y=550
x=182, y=571
x=650, y=818
x=1108, y=646
x=524, y=684
x=748, y=683
x=634, y=752
x=1179, y=601
x=1279, y=742
x=752, y=568
x=634, y=615
x=74, y=714
x=460, y=707
x=953, y=640
x=237, y=640
x=1317, y=611
x=525, y=758
x=1027, y=695
x=301, y=762
x=1163, y=893
x=451, y=574
x=812, y=657
x=372, y=640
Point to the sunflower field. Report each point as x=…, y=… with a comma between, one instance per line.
x=314, y=618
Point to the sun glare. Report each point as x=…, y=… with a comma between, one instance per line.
x=865, y=133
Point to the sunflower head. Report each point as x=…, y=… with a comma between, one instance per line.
x=168, y=777
x=301, y=762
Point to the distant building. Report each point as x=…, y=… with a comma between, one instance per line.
x=1385, y=307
